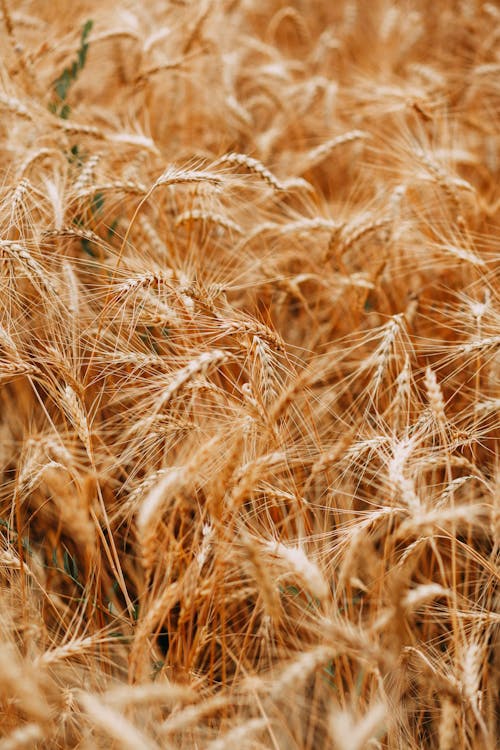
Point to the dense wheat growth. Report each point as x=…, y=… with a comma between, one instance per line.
x=249, y=374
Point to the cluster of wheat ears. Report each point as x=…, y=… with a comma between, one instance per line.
x=249, y=374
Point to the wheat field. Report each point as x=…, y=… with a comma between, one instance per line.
x=250, y=374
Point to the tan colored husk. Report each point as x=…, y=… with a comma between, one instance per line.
x=249, y=357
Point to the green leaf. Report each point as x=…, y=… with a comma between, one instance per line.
x=368, y=304
x=70, y=74
x=157, y=667
x=112, y=228
x=329, y=670
x=75, y=156
x=70, y=566
x=82, y=56
x=25, y=542
x=97, y=203
x=87, y=28
x=62, y=84
x=291, y=590
x=87, y=248
x=65, y=112
x=359, y=681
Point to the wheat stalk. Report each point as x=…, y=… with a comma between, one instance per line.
x=248, y=422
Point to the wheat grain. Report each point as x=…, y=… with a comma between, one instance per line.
x=114, y=724
x=298, y=670
x=15, y=106
x=87, y=173
x=74, y=649
x=127, y=186
x=22, y=684
x=34, y=270
x=447, y=724
x=262, y=577
x=401, y=452
x=166, y=693
x=208, y=217
x=419, y=595
x=305, y=568
x=254, y=166
x=320, y=153
x=197, y=365
x=248, y=423
x=293, y=16
x=174, y=176
x=351, y=733
x=26, y=736
x=480, y=345
x=152, y=505
x=188, y=716
x=471, y=672
x=76, y=414
x=18, y=198
x=435, y=396
x=241, y=735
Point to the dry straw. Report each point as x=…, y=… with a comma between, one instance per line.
x=249, y=349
